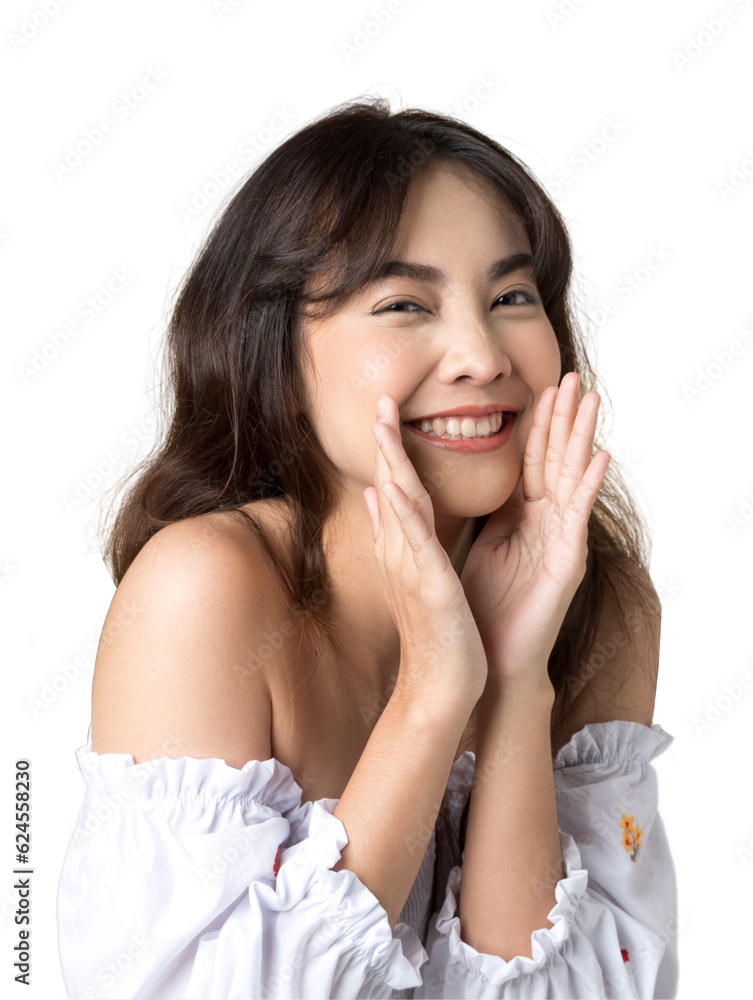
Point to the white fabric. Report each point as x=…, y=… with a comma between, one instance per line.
x=168, y=888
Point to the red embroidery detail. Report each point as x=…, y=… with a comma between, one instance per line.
x=276, y=869
x=625, y=956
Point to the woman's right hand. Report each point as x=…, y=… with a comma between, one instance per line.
x=442, y=658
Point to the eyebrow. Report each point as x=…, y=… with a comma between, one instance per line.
x=434, y=276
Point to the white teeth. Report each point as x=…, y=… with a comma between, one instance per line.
x=453, y=429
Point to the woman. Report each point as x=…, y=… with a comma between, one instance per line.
x=336, y=671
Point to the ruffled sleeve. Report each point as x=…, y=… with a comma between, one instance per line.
x=614, y=930
x=189, y=878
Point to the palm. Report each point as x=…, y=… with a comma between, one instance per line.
x=524, y=568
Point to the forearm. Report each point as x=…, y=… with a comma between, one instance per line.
x=390, y=805
x=512, y=856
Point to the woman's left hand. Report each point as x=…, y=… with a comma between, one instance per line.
x=526, y=564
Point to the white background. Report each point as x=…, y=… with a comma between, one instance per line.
x=677, y=92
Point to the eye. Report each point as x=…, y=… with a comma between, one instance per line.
x=391, y=307
x=528, y=299
x=525, y=299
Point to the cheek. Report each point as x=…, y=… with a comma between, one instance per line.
x=384, y=364
x=545, y=366
x=380, y=365
x=352, y=376
x=540, y=369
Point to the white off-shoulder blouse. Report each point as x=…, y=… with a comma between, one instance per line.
x=188, y=878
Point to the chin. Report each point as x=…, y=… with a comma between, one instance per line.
x=473, y=497
x=471, y=507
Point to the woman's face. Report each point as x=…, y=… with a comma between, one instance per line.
x=467, y=340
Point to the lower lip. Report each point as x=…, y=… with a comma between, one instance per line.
x=470, y=447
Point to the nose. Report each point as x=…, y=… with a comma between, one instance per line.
x=474, y=351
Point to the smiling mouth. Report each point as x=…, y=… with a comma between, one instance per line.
x=464, y=428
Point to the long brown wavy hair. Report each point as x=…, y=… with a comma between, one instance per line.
x=323, y=209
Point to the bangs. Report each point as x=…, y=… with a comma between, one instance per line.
x=353, y=234
x=356, y=234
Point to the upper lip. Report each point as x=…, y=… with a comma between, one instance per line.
x=468, y=410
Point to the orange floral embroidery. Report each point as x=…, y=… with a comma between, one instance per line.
x=632, y=838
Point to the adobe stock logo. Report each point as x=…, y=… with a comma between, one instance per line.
x=722, y=361
x=588, y=153
x=366, y=33
x=34, y=23
x=630, y=282
x=711, y=30
x=738, y=177
x=88, y=309
x=120, y=109
x=565, y=8
x=725, y=702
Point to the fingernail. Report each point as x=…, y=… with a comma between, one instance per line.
x=381, y=406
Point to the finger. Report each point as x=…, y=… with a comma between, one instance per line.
x=416, y=530
x=399, y=468
x=579, y=448
x=406, y=514
x=561, y=427
x=575, y=519
x=429, y=558
x=390, y=537
x=535, y=453
x=386, y=523
x=381, y=468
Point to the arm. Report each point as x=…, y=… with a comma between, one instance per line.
x=513, y=858
x=613, y=923
x=390, y=805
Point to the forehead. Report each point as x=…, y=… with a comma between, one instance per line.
x=449, y=195
x=456, y=215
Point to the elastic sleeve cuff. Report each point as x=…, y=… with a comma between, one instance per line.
x=546, y=942
x=602, y=750
x=192, y=781
x=392, y=957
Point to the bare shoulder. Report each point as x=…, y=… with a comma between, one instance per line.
x=619, y=677
x=175, y=673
